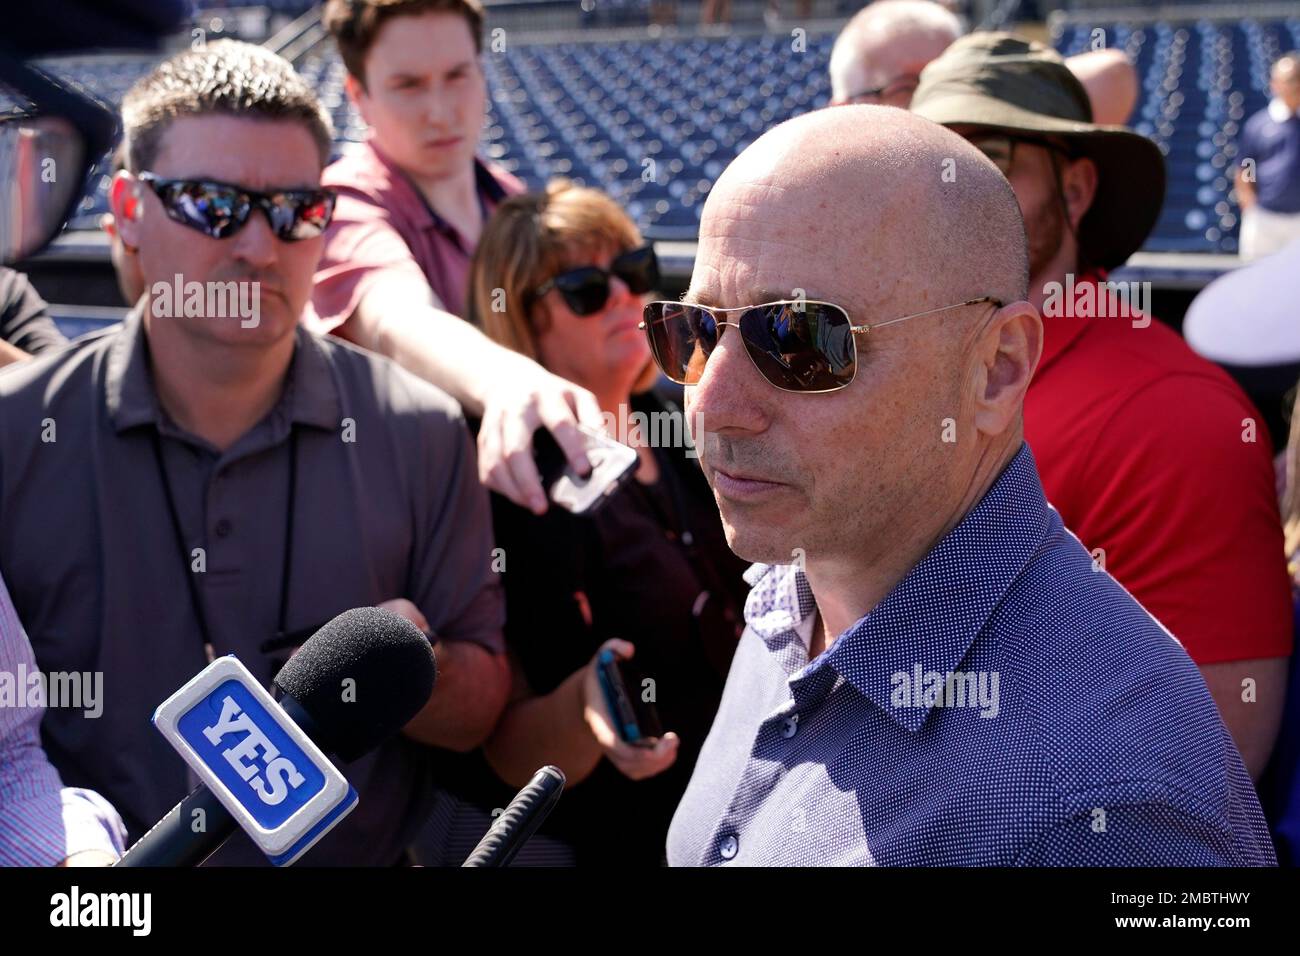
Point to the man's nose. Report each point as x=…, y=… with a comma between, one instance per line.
x=731, y=395
x=255, y=243
x=436, y=108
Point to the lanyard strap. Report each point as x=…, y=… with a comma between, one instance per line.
x=281, y=639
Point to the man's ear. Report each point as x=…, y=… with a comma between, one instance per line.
x=1007, y=353
x=357, y=94
x=1079, y=187
x=127, y=205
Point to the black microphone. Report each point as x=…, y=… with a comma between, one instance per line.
x=520, y=820
x=391, y=666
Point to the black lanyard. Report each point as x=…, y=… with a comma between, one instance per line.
x=282, y=638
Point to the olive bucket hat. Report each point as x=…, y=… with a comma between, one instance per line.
x=1006, y=83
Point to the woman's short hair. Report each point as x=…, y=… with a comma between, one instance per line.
x=529, y=239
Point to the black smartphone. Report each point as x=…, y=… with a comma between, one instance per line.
x=636, y=720
x=612, y=464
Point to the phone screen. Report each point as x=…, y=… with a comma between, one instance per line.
x=612, y=464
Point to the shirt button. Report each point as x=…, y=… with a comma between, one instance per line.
x=730, y=846
x=222, y=528
x=790, y=727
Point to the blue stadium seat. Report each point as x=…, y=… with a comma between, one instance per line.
x=655, y=121
x=1200, y=80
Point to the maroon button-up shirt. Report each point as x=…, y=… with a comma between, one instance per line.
x=383, y=223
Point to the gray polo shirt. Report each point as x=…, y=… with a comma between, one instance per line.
x=387, y=503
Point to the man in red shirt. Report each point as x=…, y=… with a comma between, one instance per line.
x=1152, y=455
x=412, y=201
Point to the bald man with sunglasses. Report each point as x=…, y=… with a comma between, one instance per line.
x=932, y=672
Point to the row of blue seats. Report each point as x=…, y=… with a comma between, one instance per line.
x=654, y=121
x=1200, y=81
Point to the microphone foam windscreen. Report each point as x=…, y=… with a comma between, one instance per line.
x=361, y=678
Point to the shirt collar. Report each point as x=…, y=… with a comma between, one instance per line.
x=780, y=603
x=931, y=617
x=490, y=191
x=310, y=397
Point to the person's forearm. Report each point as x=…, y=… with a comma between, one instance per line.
x=544, y=730
x=10, y=354
x=433, y=344
x=450, y=353
x=467, y=699
x=29, y=800
x=1252, y=718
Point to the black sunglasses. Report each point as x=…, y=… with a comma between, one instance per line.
x=1001, y=148
x=219, y=210
x=586, y=290
x=798, y=345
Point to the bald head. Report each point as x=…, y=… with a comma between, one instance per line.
x=1285, y=79
x=886, y=45
x=886, y=212
x=886, y=215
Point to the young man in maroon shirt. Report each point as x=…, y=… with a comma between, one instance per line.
x=412, y=202
x=1152, y=455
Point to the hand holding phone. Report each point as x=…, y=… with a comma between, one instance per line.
x=646, y=754
x=636, y=721
x=612, y=464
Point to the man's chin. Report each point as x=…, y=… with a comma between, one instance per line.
x=252, y=331
x=758, y=545
x=436, y=165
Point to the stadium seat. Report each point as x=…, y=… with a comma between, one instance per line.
x=654, y=121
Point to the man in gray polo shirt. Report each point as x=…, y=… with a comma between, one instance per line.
x=211, y=479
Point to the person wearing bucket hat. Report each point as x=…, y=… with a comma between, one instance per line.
x=1154, y=457
x=1000, y=83
x=879, y=55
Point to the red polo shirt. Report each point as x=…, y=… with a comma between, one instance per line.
x=382, y=223
x=1140, y=445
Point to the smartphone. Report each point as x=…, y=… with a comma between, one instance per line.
x=636, y=720
x=612, y=464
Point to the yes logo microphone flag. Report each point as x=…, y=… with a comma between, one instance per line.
x=278, y=785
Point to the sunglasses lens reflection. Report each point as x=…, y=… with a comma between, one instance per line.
x=798, y=347
x=221, y=211
x=681, y=339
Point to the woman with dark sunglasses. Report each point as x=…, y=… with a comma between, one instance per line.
x=561, y=276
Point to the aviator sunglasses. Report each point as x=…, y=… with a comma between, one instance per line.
x=219, y=210
x=798, y=345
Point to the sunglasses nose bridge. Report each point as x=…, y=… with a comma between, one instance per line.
x=254, y=239
x=736, y=340
x=619, y=287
